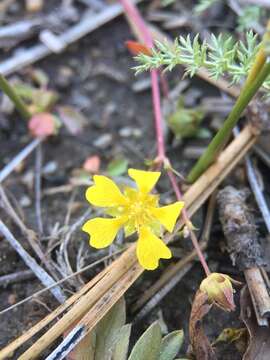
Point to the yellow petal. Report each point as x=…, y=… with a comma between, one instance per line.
x=145, y=180
x=103, y=231
x=104, y=193
x=167, y=215
x=150, y=249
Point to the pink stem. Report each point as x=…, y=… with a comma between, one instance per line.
x=188, y=223
x=135, y=16
x=164, y=84
x=138, y=21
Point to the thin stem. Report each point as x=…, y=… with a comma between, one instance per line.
x=14, y=97
x=223, y=134
x=138, y=21
x=188, y=223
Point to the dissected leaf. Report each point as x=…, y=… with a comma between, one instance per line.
x=259, y=336
x=107, y=331
x=43, y=124
x=171, y=344
x=122, y=342
x=200, y=344
x=73, y=119
x=148, y=345
x=117, y=167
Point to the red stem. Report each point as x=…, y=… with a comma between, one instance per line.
x=138, y=21
x=188, y=223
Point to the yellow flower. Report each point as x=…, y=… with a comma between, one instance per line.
x=136, y=210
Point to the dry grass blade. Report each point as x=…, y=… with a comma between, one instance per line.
x=88, y=322
x=8, y=350
x=194, y=198
x=120, y=267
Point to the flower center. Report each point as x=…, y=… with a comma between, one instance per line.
x=138, y=207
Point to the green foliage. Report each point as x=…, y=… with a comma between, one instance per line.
x=251, y=15
x=171, y=344
x=165, y=3
x=117, y=166
x=148, y=345
x=110, y=340
x=222, y=55
x=185, y=123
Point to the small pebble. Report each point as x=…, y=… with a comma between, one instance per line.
x=103, y=142
x=64, y=77
x=127, y=132
x=141, y=85
x=50, y=168
x=12, y=299
x=34, y=5
x=25, y=201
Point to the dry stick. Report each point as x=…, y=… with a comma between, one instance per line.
x=242, y=237
x=8, y=279
x=141, y=28
x=38, y=168
x=90, y=320
x=30, y=234
x=42, y=291
x=169, y=275
x=263, y=155
x=85, y=26
x=8, y=350
x=84, y=304
x=7, y=170
x=41, y=274
x=182, y=270
x=194, y=198
x=255, y=186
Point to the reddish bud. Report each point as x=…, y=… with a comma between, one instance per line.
x=43, y=124
x=137, y=48
x=92, y=164
x=219, y=290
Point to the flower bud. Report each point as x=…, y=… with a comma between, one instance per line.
x=219, y=290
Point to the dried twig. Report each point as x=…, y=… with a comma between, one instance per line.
x=88, y=24
x=28, y=233
x=8, y=279
x=38, y=167
x=124, y=266
x=7, y=170
x=40, y=273
x=242, y=237
x=6, y=352
x=258, y=193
